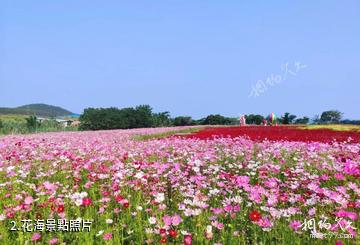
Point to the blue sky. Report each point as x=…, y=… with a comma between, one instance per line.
x=187, y=57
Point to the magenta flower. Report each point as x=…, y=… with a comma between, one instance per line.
x=54, y=241
x=187, y=239
x=36, y=237
x=86, y=201
x=295, y=225
x=107, y=236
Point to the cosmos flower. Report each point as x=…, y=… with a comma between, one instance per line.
x=107, y=236
x=35, y=237
x=86, y=201
x=254, y=216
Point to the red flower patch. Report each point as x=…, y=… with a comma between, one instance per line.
x=277, y=133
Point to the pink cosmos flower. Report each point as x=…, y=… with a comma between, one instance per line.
x=218, y=225
x=54, y=241
x=228, y=208
x=217, y=210
x=339, y=176
x=351, y=168
x=236, y=208
x=312, y=211
x=174, y=220
x=28, y=200
x=36, y=237
x=242, y=181
x=187, y=239
x=167, y=220
x=343, y=214
x=107, y=236
x=295, y=225
x=265, y=222
x=49, y=186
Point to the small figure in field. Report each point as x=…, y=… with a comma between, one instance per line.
x=242, y=121
x=265, y=122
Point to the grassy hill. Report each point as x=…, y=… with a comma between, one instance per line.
x=40, y=110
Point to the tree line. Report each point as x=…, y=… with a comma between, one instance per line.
x=142, y=116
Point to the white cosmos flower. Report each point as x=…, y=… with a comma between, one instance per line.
x=139, y=175
x=78, y=202
x=2, y=217
x=149, y=231
x=188, y=212
x=196, y=169
x=152, y=220
x=83, y=194
x=159, y=197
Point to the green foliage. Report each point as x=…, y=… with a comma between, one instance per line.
x=287, y=118
x=304, y=120
x=114, y=118
x=17, y=125
x=32, y=123
x=347, y=121
x=13, y=127
x=183, y=121
x=143, y=116
x=162, y=119
x=217, y=120
x=50, y=126
x=254, y=119
x=1, y=124
x=332, y=116
x=166, y=134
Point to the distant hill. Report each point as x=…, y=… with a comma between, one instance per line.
x=40, y=110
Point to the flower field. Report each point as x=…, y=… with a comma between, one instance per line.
x=107, y=188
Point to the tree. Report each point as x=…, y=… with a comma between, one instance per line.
x=113, y=118
x=304, y=120
x=332, y=116
x=354, y=122
x=287, y=118
x=254, y=119
x=143, y=115
x=315, y=119
x=216, y=120
x=1, y=124
x=182, y=121
x=102, y=118
x=32, y=123
x=161, y=119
